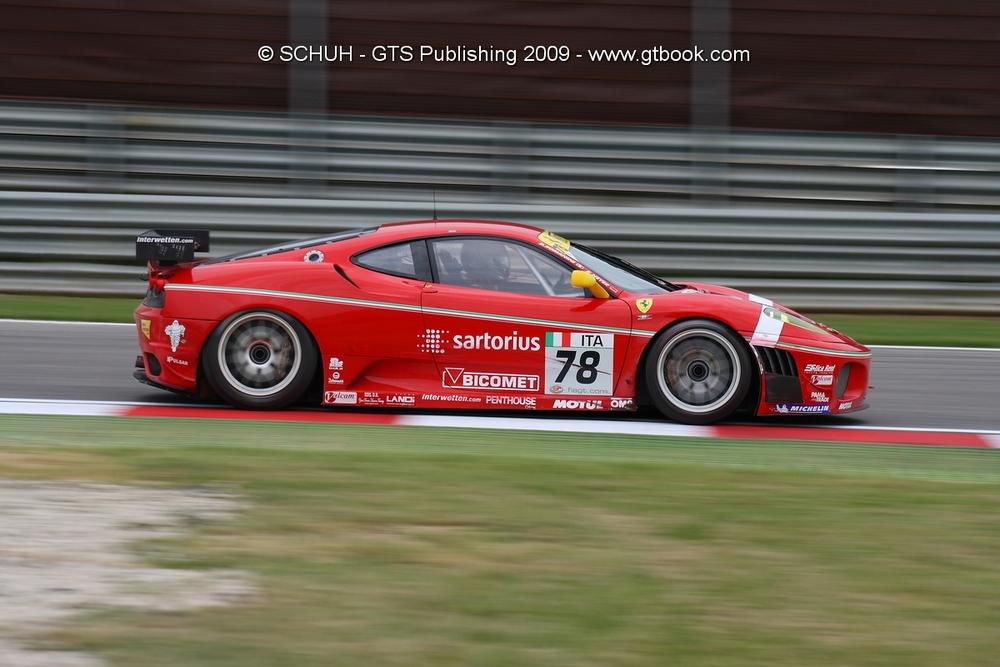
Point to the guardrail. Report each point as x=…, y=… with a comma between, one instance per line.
x=878, y=223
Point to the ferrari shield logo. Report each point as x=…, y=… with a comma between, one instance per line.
x=644, y=305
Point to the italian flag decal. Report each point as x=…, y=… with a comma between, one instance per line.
x=554, y=339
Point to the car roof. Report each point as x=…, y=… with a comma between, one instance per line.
x=405, y=230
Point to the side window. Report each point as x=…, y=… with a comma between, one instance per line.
x=500, y=266
x=406, y=260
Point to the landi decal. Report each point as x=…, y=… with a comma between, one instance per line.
x=390, y=400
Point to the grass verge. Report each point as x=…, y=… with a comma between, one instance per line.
x=410, y=546
x=914, y=330
x=66, y=308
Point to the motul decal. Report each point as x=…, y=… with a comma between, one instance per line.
x=569, y=404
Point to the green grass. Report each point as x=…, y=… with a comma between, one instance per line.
x=432, y=546
x=68, y=308
x=915, y=330
x=869, y=329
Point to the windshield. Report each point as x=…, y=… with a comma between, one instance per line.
x=619, y=272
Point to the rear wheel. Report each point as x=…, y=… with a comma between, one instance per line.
x=260, y=360
x=698, y=372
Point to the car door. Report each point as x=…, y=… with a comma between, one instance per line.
x=503, y=318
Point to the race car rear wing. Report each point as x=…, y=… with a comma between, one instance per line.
x=169, y=246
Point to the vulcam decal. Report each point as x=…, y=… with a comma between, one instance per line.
x=822, y=380
x=341, y=397
x=461, y=378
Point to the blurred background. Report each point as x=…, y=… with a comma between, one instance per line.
x=846, y=158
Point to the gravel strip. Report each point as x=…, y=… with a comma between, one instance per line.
x=66, y=548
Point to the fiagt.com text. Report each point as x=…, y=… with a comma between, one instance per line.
x=405, y=53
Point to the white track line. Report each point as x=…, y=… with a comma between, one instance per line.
x=27, y=406
x=560, y=425
x=99, y=324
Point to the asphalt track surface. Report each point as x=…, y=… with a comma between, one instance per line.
x=913, y=388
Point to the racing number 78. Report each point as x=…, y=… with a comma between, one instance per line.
x=587, y=371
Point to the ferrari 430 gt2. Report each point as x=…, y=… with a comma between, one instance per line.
x=446, y=314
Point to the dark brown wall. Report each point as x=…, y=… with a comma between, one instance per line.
x=189, y=52
x=921, y=66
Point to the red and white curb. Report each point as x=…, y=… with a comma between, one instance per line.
x=860, y=434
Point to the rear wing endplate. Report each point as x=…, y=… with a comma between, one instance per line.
x=171, y=245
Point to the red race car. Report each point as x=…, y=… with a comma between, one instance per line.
x=444, y=314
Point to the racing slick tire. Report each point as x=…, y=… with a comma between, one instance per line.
x=260, y=359
x=698, y=372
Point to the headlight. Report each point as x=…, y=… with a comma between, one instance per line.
x=788, y=318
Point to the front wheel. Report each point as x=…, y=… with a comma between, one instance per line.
x=698, y=372
x=260, y=360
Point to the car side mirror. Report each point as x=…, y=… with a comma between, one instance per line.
x=584, y=279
